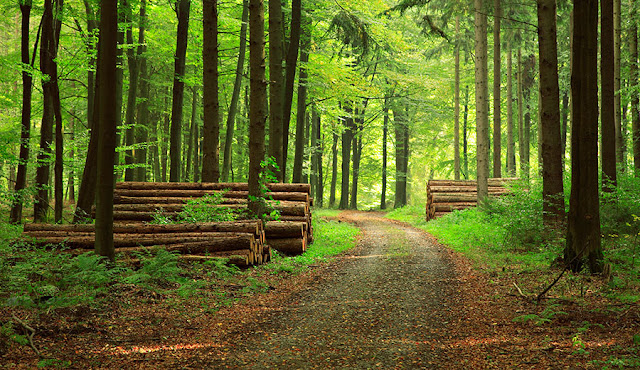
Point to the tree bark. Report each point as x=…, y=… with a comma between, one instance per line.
x=276, y=89
x=347, y=138
x=319, y=194
x=175, y=149
x=290, y=76
x=482, y=99
x=607, y=94
x=465, y=117
x=192, y=139
x=511, y=155
x=25, y=128
x=258, y=104
x=107, y=126
x=385, y=133
x=497, y=111
x=550, y=141
x=617, y=30
x=301, y=111
x=132, y=96
x=401, y=125
x=334, y=170
x=313, y=148
x=357, y=151
x=583, y=231
x=141, y=130
x=456, y=111
x=211, y=105
x=237, y=84
x=521, y=148
x=633, y=81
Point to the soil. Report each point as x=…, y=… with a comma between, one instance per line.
x=397, y=300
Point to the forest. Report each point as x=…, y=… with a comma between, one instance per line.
x=359, y=104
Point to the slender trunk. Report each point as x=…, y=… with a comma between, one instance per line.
x=141, y=130
x=318, y=154
x=521, y=148
x=313, y=176
x=607, y=114
x=482, y=99
x=302, y=103
x=550, y=140
x=165, y=135
x=400, y=123
x=290, y=76
x=456, y=109
x=258, y=103
x=107, y=125
x=25, y=131
x=210, y=98
x=276, y=90
x=192, y=138
x=465, y=117
x=175, y=150
x=565, y=123
x=72, y=157
x=497, y=129
x=583, y=231
x=511, y=148
x=385, y=133
x=347, y=138
x=237, y=84
x=132, y=96
x=357, y=150
x=334, y=171
x=633, y=84
x=617, y=30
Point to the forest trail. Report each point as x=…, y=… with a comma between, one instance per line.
x=388, y=305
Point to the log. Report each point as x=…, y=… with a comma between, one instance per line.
x=284, y=229
x=250, y=226
x=463, y=189
x=448, y=207
x=500, y=181
x=191, y=248
x=274, y=187
x=127, y=196
x=285, y=208
x=289, y=246
x=454, y=197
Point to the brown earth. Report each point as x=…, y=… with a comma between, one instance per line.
x=398, y=300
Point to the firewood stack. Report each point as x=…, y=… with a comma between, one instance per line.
x=445, y=196
x=242, y=242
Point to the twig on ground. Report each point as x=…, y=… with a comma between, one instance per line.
x=519, y=290
x=31, y=331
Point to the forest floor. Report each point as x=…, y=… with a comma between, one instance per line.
x=397, y=300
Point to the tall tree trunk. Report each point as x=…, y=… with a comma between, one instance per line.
x=237, y=84
x=132, y=96
x=175, y=149
x=482, y=99
x=141, y=130
x=107, y=125
x=564, y=112
x=25, y=131
x=385, y=133
x=400, y=123
x=465, y=118
x=521, y=147
x=583, y=231
x=258, y=104
x=334, y=170
x=92, y=42
x=165, y=128
x=511, y=147
x=192, y=139
x=276, y=89
x=633, y=82
x=497, y=129
x=357, y=150
x=607, y=94
x=313, y=169
x=302, y=103
x=72, y=157
x=550, y=141
x=290, y=76
x=317, y=151
x=347, y=138
x=456, y=108
x=211, y=124
x=617, y=30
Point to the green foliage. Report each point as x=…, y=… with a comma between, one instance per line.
x=8, y=330
x=160, y=269
x=544, y=317
x=205, y=209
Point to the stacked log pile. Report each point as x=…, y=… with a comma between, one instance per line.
x=445, y=196
x=290, y=234
x=241, y=242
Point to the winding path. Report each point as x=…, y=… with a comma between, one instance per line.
x=388, y=305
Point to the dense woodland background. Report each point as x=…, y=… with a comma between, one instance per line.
x=367, y=100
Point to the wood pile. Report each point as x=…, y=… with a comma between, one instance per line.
x=241, y=242
x=445, y=196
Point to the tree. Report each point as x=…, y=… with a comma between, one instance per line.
x=511, y=155
x=497, y=107
x=633, y=82
x=25, y=128
x=211, y=128
x=608, y=114
x=301, y=111
x=401, y=125
x=258, y=103
x=182, y=10
x=290, y=76
x=276, y=88
x=617, y=30
x=456, y=109
x=482, y=99
x=334, y=170
x=385, y=133
x=107, y=127
x=583, y=231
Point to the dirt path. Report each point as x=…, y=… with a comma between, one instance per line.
x=388, y=305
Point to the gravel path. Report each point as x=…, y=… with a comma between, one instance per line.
x=388, y=305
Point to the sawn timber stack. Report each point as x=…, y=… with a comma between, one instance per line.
x=445, y=196
x=138, y=201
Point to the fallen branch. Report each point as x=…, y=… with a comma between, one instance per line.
x=519, y=291
x=31, y=331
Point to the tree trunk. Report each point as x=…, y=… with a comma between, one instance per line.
x=357, y=151
x=258, y=103
x=633, y=81
x=237, y=84
x=617, y=30
x=25, y=131
x=276, y=90
x=313, y=148
x=318, y=149
x=385, y=133
x=482, y=99
x=301, y=111
x=511, y=155
x=497, y=129
x=334, y=170
x=456, y=112
x=465, y=117
x=400, y=126
x=72, y=158
x=550, y=141
x=107, y=126
x=565, y=123
x=290, y=76
x=608, y=115
x=141, y=130
x=347, y=138
x=583, y=232
x=211, y=105
x=129, y=117
x=165, y=128
x=521, y=148
x=178, y=90
x=192, y=139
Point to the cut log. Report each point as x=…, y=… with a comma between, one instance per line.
x=284, y=229
x=448, y=207
x=250, y=226
x=274, y=187
x=289, y=246
x=500, y=181
x=129, y=196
